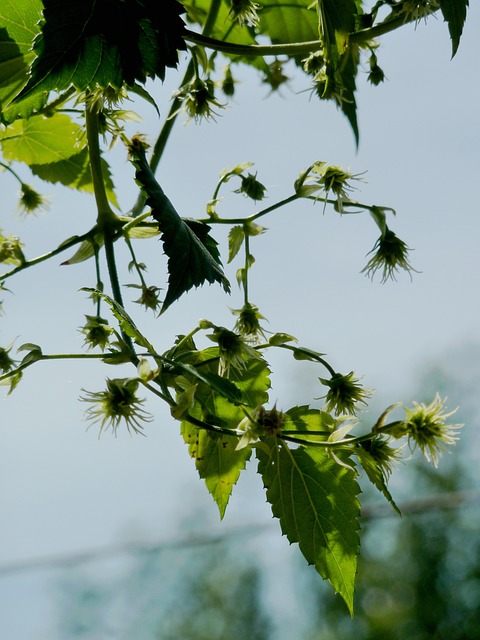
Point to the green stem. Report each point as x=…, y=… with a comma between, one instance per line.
x=105, y=216
x=46, y=256
x=247, y=267
x=291, y=49
x=107, y=221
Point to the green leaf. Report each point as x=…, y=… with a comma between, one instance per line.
x=304, y=418
x=236, y=237
x=34, y=353
x=18, y=20
x=216, y=458
x=303, y=353
x=191, y=261
x=454, y=13
x=41, y=140
x=217, y=461
x=90, y=44
x=85, y=251
x=74, y=172
x=281, y=338
x=294, y=21
x=316, y=501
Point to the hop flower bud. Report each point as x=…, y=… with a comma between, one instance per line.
x=233, y=350
x=391, y=254
x=6, y=363
x=97, y=332
x=248, y=325
x=426, y=428
x=30, y=200
x=117, y=403
x=344, y=393
x=251, y=187
x=244, y=12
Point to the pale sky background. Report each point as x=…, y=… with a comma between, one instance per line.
x=62, y=490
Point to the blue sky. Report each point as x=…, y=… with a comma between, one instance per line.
x=62, y=489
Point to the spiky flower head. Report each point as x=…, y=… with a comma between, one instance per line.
x=391, y=255
x=244, y=12
x=233, y=350
x=149, y=297
x=251, y=187
x=426, y=428
x=344, y=393
x=6, y=363
x=118, y=403
x=97, y=332
x=31, y=201
x=248, y=323
x=198, y=99
x=384, y=455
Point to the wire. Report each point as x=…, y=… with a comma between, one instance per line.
x=437, y=502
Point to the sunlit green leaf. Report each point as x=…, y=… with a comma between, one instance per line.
x=18, y=27
x=217, y=461
x=316, y=502
x=41, y=140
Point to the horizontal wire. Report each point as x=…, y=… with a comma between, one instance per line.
x=422, y=506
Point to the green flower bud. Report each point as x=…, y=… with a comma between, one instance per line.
x=117, y=403
x=6, y=363
x=344, y=393
x=391, y=254
x=244, y=12
x=97, y=332
x=426, y=428
x=251, y=187
x=30, y=200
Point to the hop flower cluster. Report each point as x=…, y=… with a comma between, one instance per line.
x=233, y=350
x=31, y=201
x=118, y=403
x=97, y=332
x=198, y=99
x=244, y=12
x=344, y=393
x=391, y=254
x=248, y=323
x=426, y=427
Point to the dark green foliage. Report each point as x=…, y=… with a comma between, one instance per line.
x=192, y=260
x=97, y=43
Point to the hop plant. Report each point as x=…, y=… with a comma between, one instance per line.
x=248, y=323
x=233, y=350
x=244, y=12
x=344, y=393
x=251, y=187
x=426, y=427
x=31, y=201
x=97, y=332
x=391, y=254
x=118, y=403
x=198, y=99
